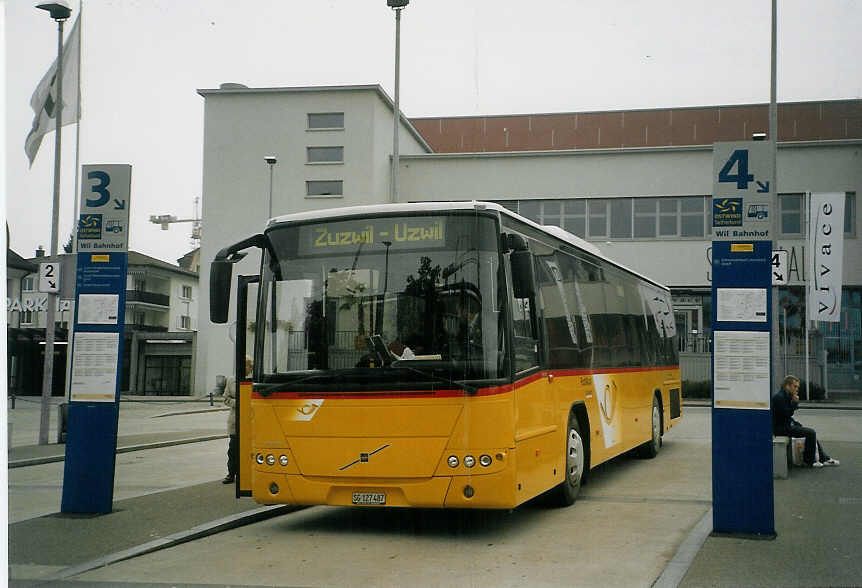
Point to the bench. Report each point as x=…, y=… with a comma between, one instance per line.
x=781, y=457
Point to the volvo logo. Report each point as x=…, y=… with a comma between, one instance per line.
x=363, y=457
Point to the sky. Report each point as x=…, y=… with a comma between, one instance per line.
x=143, y=60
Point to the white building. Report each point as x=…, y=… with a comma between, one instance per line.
x=636, y=183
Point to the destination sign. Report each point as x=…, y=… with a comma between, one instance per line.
x=401, y=233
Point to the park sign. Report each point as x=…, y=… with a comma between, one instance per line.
x=103, y=224
x=743, y=191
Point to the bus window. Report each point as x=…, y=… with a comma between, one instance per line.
x=526, y=339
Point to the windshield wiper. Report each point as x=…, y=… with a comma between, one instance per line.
x=406, y=364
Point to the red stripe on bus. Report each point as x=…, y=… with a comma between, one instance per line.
x=455, y=392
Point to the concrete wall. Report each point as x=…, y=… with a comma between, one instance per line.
x=685, y=171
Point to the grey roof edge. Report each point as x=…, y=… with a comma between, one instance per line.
x=15, y=261
x=616, y=150
x=657, y=109
x=345, y=88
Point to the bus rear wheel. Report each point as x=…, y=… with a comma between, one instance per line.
x=567, y=491
x=650, y=449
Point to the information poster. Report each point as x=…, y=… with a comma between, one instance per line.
x=741, y=305
x=741, y=369
x=98, y=309
x=94, y=367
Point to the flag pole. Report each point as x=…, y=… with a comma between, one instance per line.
x=75, y=212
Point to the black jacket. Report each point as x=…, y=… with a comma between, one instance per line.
x=783, y=408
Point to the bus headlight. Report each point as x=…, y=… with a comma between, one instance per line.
x=259, y=458
x=452, y=461
x=484, y=460
x=469, y=461
x=282, y=459
x=270, y=460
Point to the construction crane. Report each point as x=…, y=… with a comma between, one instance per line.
x=167, y=219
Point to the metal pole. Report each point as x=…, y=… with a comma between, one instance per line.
x=809, y=271
x=270, y=191
x=48, y=373
x=773, y=137
x=397, y=113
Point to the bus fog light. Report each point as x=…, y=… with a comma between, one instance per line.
x=484, y=460
x=259, y=458
x=469, y=461
x=270, y=459
x=468, y=492
x=282, y=459
x=273, y=488
x=452, y=461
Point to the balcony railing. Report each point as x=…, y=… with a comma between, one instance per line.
x=148, y=297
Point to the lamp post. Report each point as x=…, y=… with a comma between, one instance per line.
x=397, y=6
x=271, y=160
x=60, y=12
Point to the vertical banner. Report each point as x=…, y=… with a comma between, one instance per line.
x=97, y=347
x=826, y=244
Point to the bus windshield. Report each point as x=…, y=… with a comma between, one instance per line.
x=393, y=301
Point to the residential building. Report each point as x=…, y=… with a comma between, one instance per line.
x=161, y=314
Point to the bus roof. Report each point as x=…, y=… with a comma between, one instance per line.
x=413, y=207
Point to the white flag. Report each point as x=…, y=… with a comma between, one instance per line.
x=826, y=244
x=44, y=98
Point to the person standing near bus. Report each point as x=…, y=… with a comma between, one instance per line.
x=784, y=404
x=233, y=444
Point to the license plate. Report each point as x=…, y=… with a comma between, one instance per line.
x=369, y=498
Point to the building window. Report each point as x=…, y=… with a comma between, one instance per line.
x=597, y=211
x=790, y=213
x=324, y=188
x=324, y=154
x=850, y=214
x=645, y=218
x=185, y=322
x=325, y=120
x=692, y=216
x=668, y=219
x=27, y=285
x=26, y=317
x=187, y=292
x=621, y=218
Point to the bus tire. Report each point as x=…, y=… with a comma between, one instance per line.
x=651, y=448
x=567, y=491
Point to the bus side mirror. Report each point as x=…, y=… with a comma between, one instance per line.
x=523, y=276
x=220, y=278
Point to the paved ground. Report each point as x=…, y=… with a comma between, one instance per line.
x=630, y=522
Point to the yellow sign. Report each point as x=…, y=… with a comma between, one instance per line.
x=741, y=247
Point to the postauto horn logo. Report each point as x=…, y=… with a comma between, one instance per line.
x=727, y=212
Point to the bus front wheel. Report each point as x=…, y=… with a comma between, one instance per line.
x=568, y=490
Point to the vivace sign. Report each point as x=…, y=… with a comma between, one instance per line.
x=826, y=244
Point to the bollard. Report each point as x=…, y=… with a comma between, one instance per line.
x=211, y=398
x=12, y=399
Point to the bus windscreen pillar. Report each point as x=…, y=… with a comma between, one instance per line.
x=742, y=215
x=97, y=346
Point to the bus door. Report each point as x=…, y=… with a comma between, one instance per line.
x=246, y=307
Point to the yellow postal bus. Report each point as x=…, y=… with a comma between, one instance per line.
x=440, y=355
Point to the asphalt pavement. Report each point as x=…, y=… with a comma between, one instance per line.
x=818, y=513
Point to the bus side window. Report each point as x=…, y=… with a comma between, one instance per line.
x=526, y=340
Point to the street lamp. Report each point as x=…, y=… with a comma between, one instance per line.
x=397, y=6
x=59, y=11
x=271, y=160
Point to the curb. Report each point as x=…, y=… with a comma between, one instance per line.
x=20, y=463
x=197, y=532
